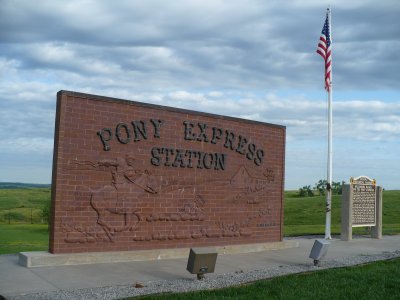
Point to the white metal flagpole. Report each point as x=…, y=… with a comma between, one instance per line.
x=325, y=50
x=330, y=117
x=329, y=175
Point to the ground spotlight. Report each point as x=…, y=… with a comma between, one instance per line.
x=201, y=261
x=319, y=250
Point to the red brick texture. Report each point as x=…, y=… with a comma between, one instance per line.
x=135, y=176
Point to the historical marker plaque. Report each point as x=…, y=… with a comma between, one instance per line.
x=364, y=201
x=136, y=176
x=361, y=206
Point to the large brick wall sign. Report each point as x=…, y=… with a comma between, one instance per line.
x=136, y=176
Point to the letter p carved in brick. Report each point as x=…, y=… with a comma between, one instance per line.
x=105, y=136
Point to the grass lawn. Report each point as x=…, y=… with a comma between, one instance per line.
x=379, y=280
x=23, y=237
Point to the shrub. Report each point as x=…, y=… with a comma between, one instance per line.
x=306, y=191
x=321, y=186
x=13, y=216
x=45, y=214
x=336, y=187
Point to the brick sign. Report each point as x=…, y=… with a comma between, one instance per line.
x=135, y=176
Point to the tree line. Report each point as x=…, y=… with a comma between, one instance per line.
x=319, y=189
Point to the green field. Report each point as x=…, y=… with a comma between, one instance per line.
x=380, y=280
x=307, y=215
x=23, y=205
x=22, y=227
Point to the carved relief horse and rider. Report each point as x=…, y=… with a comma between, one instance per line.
x=119, y=198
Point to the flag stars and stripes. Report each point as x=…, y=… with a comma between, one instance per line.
x=324, y=49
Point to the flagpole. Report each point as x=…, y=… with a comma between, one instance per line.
x=329, y=167
x=329, y=175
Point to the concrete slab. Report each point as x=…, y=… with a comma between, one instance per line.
x=16, y=280
x=46, y=259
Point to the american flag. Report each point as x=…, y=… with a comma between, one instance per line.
x=324, y=49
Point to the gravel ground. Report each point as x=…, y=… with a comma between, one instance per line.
x=211, y=281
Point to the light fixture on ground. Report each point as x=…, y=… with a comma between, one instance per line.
x=201, y=261
x=319, y=250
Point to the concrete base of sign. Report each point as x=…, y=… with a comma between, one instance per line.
x=346, y=233
x=376, y=231
x=46, y=259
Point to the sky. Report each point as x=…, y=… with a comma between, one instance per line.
x=250, y=59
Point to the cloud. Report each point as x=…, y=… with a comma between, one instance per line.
x=201, y=44
x=27, y=145
x=248, y=58
x=305, y=119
